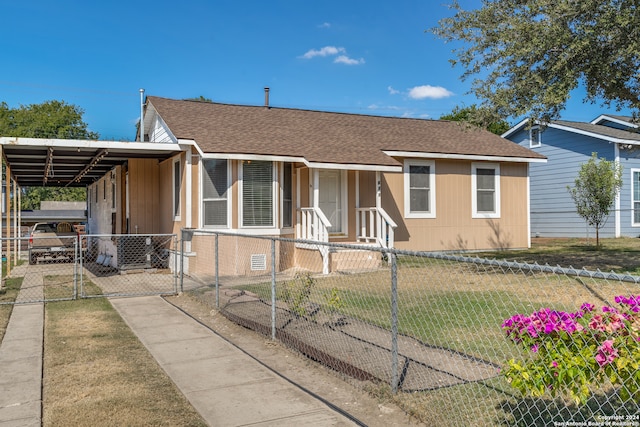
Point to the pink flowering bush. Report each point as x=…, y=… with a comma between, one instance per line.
x=575, y=352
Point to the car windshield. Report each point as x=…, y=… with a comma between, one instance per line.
x=44, y=228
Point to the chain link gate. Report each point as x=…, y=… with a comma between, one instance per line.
x=128, y=265
x=88, y=266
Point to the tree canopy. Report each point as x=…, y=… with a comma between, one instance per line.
x=51, y=119
x=525, y=57
x=478, y=116
x=595, y=191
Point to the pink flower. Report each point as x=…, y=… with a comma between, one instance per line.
x=587, y=307
x=606, y=353
x=596, y=323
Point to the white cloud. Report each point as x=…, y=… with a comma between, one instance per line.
x=427, y=91
x=392, y=91
x=344, y=59
x=341, y=58
x=324, y=25
x=325, y=51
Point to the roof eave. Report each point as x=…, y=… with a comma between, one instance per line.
x=476, y=157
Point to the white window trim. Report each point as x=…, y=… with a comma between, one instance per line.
x=274, y=191
x=537, y=142
x=432, y=188
x=201, y=172
x=176, y=216
x=633, y=223
x=474, y=192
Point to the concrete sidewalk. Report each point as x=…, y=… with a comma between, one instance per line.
x=226, y=386
x=21, y=361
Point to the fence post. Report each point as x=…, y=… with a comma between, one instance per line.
x=175, y=264
x=181, y=260
x=83, y=240
x=273, y=289
x=76, y=255
x=394, y=322
x=215, y=257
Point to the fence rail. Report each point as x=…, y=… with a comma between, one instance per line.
x=432, y=327
x=455, y=339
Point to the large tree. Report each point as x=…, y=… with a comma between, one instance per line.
x=595, y=191
x=478, y=116
x=527, y=56
x=51, y=119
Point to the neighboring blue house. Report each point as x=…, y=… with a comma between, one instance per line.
x=568, y=145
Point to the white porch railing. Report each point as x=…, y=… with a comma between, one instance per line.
x=312, y=225
x=374, y=225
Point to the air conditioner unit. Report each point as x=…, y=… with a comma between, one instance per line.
x=134, y=252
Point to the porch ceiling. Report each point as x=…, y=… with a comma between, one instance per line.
x=73, y=163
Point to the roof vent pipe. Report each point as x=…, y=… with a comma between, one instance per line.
x=141, y=115
x=266, y=97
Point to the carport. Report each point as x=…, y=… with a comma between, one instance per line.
x=34, y=162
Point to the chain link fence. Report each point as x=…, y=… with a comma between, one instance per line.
x=455, y=340
x=66, y=268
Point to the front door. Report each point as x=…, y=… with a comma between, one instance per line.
x=330, y=198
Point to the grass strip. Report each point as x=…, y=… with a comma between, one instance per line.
x=97, y=373
x=8, y=294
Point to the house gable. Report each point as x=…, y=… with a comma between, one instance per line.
x=617, y=122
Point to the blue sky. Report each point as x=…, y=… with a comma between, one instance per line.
x=364, y=57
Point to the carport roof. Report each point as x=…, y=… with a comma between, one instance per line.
x=73, y=163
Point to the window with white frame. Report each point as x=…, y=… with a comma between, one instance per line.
x=419, y=189
x=215, y=190
x=534, y=136
x=177, y=181
x=635, y=179
x=485, y=183
x=257, y=194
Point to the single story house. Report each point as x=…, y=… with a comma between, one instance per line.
x=413, y=184
x=567, y=146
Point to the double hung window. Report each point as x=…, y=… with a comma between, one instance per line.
x=419, y=189
x=486, y=190
x=215, y=191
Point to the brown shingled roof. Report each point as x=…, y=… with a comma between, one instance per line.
x=324, y=137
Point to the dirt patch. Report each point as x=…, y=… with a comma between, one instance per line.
x=298, y=369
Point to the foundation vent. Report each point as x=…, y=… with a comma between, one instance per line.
x=258, y=262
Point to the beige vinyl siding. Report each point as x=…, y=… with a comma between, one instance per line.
x=144, y=200
x=236, y=254
x=367, y=189
x=453, y=228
